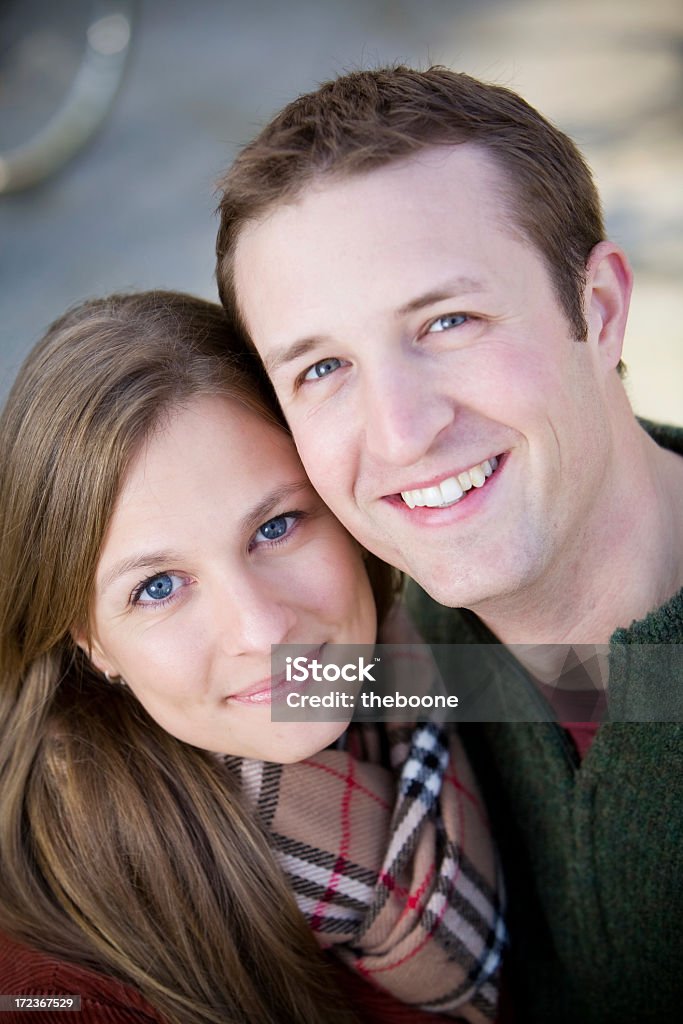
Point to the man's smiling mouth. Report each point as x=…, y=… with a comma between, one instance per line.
x=453, y=489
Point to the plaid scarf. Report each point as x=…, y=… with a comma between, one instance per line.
x=387, y=849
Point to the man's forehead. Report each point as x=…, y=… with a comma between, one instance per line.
x=466, y=164
x=347, y=254
x=439, y=181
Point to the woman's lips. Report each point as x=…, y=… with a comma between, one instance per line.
x=274, y=689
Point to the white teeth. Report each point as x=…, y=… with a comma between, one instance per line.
x=450, y=490
x=432, y=496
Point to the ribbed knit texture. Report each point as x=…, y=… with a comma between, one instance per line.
x=107, y=1001
x=103, y=1000
x=593, y=850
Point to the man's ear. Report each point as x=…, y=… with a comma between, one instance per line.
x=92, y=651
x=607, y=295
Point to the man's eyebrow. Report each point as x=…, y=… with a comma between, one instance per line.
x=145, y=560
x=304, y=346
x=448, y=290
x=288, y=353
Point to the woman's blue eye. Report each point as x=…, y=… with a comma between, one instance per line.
x=275, y=529
x=444, y=323
x=157, y=589
x=322, y=369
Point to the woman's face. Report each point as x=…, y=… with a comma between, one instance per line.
x=217, y=548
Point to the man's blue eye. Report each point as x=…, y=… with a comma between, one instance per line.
x=322, y=369
x=159, y=588
x=444, y=323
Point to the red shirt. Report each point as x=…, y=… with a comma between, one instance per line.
x=105, y=1000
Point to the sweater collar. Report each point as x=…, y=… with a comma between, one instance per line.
x=663, y=625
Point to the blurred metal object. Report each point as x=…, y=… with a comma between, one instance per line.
x=86, y=104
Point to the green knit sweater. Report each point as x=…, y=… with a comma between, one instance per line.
x=593, y=850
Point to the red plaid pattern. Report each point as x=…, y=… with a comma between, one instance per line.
x=387, y=848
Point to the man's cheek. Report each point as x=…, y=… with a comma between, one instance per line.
x=328, y=475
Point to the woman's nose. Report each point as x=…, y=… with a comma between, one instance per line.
x=257, y=616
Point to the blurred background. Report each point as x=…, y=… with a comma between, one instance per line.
x=128, y=111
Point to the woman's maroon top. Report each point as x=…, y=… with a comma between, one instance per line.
x=104, y=1000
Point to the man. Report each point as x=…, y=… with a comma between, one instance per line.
x=421, y=263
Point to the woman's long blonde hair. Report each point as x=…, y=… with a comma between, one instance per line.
x=122, y=848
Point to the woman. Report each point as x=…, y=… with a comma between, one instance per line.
x=158, y=536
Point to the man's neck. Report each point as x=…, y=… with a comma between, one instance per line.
x=627, y=561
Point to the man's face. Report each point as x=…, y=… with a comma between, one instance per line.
x=416, y=343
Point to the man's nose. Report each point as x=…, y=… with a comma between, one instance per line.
x=255, y=616
x=405, y=410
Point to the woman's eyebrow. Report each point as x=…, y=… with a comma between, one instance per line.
x=271, y=502
x=253, y=518
x=144, y=560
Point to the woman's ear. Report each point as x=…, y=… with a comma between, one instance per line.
x=607, y=295
x=92, y=651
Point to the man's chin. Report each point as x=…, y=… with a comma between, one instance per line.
x=477, y=589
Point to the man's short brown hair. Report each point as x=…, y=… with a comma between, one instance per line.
x=368, y=119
